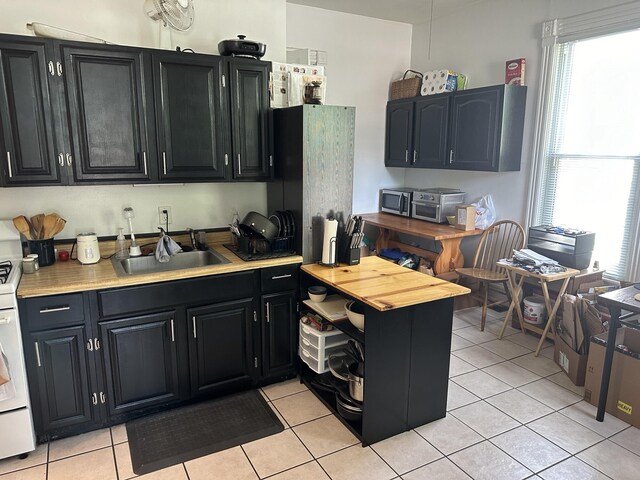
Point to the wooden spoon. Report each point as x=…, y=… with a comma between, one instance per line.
x=48, y=226
x=23, y=226
x=36, y=221
x=60, y=223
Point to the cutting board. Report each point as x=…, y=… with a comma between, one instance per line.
x=333, y=307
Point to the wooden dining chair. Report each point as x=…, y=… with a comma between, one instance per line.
x=498, y=241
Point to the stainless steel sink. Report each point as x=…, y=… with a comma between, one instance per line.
x=148, y=264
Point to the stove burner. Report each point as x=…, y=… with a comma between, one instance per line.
x=5, y=270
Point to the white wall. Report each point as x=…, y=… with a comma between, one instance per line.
x=364, y=56
x=477, y=41
x=98, y=208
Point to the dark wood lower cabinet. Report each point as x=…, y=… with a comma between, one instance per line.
x=220, y=353
x=279, y=335
x=100, y=358
x=140, y=361
x=58, y=363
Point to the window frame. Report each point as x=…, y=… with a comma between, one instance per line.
x=558, y=31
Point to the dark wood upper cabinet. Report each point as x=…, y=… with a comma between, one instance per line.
x=107, y=109
x=479, y=129
x=190, y=116
x=399, y=138
x=430, y=134
x=251, y=137
x=27, y=140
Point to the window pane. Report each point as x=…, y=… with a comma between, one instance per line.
x=603, y=107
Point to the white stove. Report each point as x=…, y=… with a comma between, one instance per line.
x=15, y=409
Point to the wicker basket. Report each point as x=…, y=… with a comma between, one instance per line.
x=407, y=87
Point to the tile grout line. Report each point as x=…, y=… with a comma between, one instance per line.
x=249, y=460
x=113, y=451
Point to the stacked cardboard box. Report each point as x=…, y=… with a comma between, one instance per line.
x=623, y=399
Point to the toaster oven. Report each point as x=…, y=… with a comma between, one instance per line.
x=434, y=204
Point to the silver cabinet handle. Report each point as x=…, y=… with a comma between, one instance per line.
x=415, y=156
x=55, y=309
x=38, y=354
x=103, y=397
x=59, y=67
x=226, y=159
x=224, y=82
x=144, y=162
x=239, y=166
x=94, y=398
x=255, y=316
x=9, y=164
x=164, y=162
x=69, y=159
x=61, y=159
x=406, y=156
x=195, y=333
x=288, y=275
x=271, y=160
x=268, y=316
x=450, y=156
x=173, y=337
x=90, y=345
x=51, y=69
x=96, y=343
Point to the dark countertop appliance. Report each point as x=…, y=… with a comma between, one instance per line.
x=568, y=246
x=434, y=204
x=242, y=47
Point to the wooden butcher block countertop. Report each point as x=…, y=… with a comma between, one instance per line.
x=71, y=276
x=384, y=285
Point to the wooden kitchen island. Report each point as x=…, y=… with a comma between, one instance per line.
x=449, y=238
x=407, y=342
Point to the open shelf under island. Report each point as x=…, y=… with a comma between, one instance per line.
x=407, y=341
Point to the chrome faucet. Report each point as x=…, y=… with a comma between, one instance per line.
x=192, y=236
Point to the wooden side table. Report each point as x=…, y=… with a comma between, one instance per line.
x=516, y=276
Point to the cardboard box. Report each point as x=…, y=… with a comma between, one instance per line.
x=465, y=217
x=514, y=72
x=573, y=364
x=623, y=400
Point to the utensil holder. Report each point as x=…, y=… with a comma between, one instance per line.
x=44, y=249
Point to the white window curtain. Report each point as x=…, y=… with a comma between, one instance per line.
x=587, y=150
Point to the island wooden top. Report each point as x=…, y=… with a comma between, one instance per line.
x=384, y=285
x=72, y=276
x=419, y=228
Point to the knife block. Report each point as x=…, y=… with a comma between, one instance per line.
x=347, y=255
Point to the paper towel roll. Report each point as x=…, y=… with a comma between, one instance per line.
x=329, y=241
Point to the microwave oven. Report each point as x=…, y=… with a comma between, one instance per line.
x=396, y=201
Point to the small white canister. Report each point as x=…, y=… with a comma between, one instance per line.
x=88, y=248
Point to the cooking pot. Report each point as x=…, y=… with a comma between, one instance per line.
x=356, y=382
x=258, y=225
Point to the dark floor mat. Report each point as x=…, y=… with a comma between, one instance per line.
x=185, y=433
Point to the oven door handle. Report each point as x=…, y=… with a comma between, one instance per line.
x=427, y=204
x=403, y=199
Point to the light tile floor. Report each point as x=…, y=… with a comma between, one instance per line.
x=511, y=416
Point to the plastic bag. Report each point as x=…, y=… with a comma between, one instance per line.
x=485, y=212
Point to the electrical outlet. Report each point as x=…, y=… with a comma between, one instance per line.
x=164, y=218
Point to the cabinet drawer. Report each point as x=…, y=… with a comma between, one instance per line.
x=50, y=312
x=279, y=279
x=218, y=288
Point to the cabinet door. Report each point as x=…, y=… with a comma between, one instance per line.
x=252, y=157
x=475, y=129
x=220, y=352
x=27, y=114
x=107, y=111
x=430, y=132
x=190, y=116
x=61, y=373
x=399, y=139
x=140, y=361
x=279, y=334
